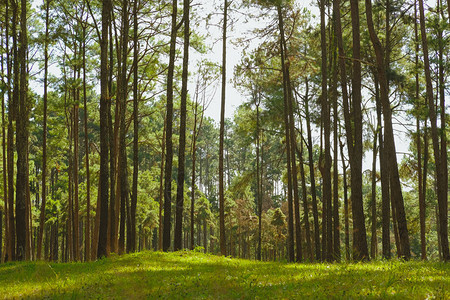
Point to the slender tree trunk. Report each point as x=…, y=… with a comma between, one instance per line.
x=182, y=138
x=336, y=227
x=222, y=240
x=422, y=206
x=104, y=130
x=122, y=102
x=325, y=116
x=135, y=130
x=305, y=200
x=374, y=241
x=258, y=185
x=443, y=183
x=313, y=180
x=346, y=206
x=13, y=110
x=161, y=188
x=22, y=138
x=75, y=178
x=396, y=192
x=6, y=187
x=194, y=157
x=44, y=130
x=359, y=229
x=169, y=118
x=87, y=242
x=113, y=217
x=290, y=240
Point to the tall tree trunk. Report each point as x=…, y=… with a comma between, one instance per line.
x=122, y=102
x=87, y=242
x=113, y=212
x=222, y=240
x=290, y=240
x=44, y=130
x=12, y=113
x=325, y=116
x=182, y=137
x=422, y=205
x=104, y=130
x=346, y=206
x=374, y=241
x=169, y=118
x=313, y=180
x=135, y=129
x=258, y=179
x=347, y=117
x=75, y=177
x=161, y=188
x=310, y=253
x=334, y=82
x=360, y=251
x=443, y=183
x=292, y=140
x=5, y=145
x=389, y=144
x=22, y=138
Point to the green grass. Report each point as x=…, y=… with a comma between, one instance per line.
x=184, y=275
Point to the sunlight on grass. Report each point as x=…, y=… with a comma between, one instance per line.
x=189, y=275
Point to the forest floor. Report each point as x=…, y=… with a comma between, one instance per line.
x=192, y=275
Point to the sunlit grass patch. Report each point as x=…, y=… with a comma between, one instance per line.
x=191, y=275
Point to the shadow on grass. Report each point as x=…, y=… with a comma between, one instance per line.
x=192, y=276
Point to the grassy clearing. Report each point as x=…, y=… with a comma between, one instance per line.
x=183, y=275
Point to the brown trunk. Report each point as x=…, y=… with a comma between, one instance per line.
x=373, y=241
x=313, y=181
x=161, y=188
x=134, y=190
x=12, y=105
x=122, y=102
x=290, y=240
x=346, y=206
x=182, y=138
x=86, y=148
x=169, y=118
x=360, y=251
x=75, y=180
x=310, y=253
x=420, y=171
x=4, y=173
x=443, y=172
x=22, y=139
x=44, y=130
x=336, y=255
x=113, y=219
x=258, y=178
x=222, y=239
x=104, y=131
x=326, y=167
x=389, y=144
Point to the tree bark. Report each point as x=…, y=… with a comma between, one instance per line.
x=104, y=130
x=313, y=181
x=325, y=116
x=135, y=129
x=222, y=240
x=290, y=240
x=22, y=138
x=87, y=242
x=169, y=118
x=360, y=251
x=182, y=137
x=389, y=144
